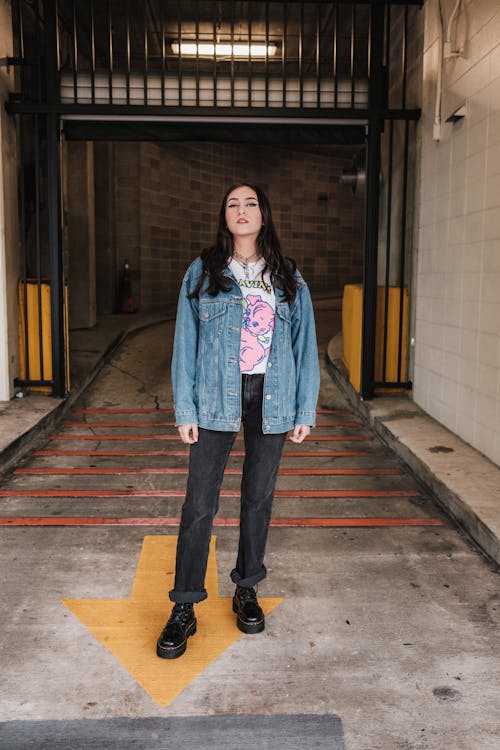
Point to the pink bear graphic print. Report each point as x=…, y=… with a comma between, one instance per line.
x=258, y=323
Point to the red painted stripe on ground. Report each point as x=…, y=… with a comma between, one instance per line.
x=138, y=438
x=288, y=522
x=123, y=411
x=118, y=453
x=119, y=424
x=106, y=425
x=224, y=493
x=301, y=454
x=184, y=470
x=170, y=411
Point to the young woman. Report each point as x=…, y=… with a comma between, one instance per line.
x=244, y=353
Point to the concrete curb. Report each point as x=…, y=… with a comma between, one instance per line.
x=28, y=440
x=455, y=504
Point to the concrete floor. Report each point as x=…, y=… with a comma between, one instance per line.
x=390, y=633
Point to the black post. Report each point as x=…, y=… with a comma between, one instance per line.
x=375, y=125
x=54, y=204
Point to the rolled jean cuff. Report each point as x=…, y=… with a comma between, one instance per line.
x=187, y=597
x=251, y=580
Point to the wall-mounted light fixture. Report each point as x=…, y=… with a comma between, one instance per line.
x=354, y=176
x=223, y=49
x=458, y=114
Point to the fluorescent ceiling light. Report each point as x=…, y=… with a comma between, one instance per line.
x=208, y=49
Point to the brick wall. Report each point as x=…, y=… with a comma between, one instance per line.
x=168, y=196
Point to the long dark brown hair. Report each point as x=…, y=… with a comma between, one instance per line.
x=281, y=269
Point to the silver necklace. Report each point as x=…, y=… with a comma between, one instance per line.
x=243, y=262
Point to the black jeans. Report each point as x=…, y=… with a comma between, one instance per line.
x=207, y=461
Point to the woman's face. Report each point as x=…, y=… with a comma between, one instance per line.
x=243, y=215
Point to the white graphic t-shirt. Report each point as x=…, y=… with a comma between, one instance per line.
x=258, y=315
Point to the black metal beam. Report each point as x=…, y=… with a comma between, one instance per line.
x=358, y=2
x=54, y=203
x=20, y=383
x=395, y=385
x=375, y=126
x=228, y=132
x=137, y=110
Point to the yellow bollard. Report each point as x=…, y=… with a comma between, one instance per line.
x=35, y=329
x=352, y=319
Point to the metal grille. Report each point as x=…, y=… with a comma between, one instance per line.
x=394, y=254
x=314, y=54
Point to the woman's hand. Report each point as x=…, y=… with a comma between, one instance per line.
x=300, y=431
x=188, y=433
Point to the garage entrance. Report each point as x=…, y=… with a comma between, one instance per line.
x=318, y=78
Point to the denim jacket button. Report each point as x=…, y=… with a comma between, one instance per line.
x=268, y=397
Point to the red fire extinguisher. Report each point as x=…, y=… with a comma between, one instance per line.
x=125, y=299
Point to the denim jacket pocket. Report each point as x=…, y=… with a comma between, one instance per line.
x=283, y=310
x=211, y=314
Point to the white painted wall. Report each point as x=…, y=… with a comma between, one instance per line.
x=457, y=321
x=9, y=255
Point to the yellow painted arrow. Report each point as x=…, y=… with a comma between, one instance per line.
x=130, y=627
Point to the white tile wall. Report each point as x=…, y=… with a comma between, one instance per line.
x=493, y=191
x=489, y=316
x=465, y=425
x=477, y=138
x=452, y=339
x=490, y=286
x=495, y=54
x=494, y=124
x=484, y=438
x=488, y=346
x=469, y=255
x=492, y=224
x=457, y=312
x=469, y=343
x=474, y=226
x=447, y=415
x=469, y=317
x=457, y=371
x=471, y=287
x=491, y=256
x=466, y=406
x=493, y=163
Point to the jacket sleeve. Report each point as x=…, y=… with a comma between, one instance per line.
x=185, y=354
x=305, y=352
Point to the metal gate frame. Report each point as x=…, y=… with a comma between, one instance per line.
x=48, y=112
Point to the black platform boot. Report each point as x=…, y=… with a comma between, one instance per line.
x=250, y=615
x=173, y=639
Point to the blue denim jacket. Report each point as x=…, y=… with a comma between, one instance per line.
x=206, y=374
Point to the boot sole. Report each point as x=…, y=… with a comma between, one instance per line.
x=250, y=628
x=175, y=651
